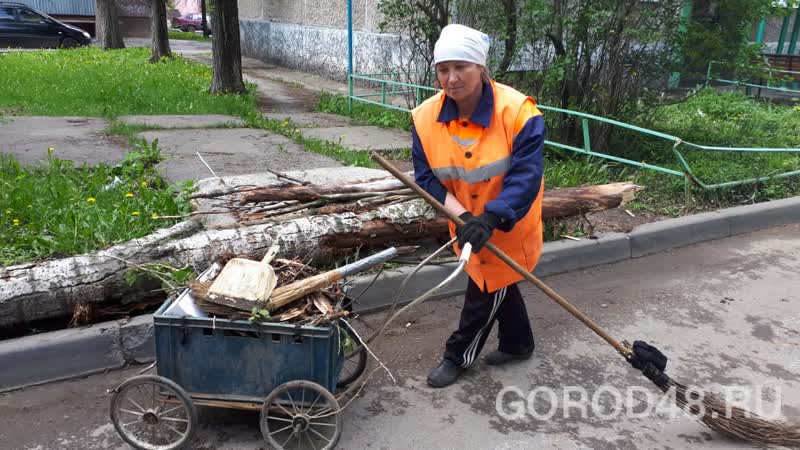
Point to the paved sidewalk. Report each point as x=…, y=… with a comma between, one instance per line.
x=292, y=94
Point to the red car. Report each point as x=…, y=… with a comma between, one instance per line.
x=191, y=23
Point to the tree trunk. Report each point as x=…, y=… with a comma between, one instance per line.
x=52, y=289
x=108, y=32
x=227, y=51
x=511, y=37
x=204, y=16
x=158, y=28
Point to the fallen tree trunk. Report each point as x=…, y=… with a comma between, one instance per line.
x=51, y=289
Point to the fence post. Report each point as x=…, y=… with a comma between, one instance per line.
x=687, y=191
x=350, y=57
x=587, y=145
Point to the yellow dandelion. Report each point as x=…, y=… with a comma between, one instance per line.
x=51, y=150
x=91, y=200
x=154, y=216
x=143, y=184
x=129, y=195
x=8, y=211
x=16, y=222
x=135, y=213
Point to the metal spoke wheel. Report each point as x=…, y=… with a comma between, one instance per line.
x=153, y=413
x=301, y=415
x=354, y=362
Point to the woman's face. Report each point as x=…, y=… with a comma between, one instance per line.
x=459, y=79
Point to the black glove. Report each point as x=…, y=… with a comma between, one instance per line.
x=476, y=230
x=644, y=353
x=650, y=361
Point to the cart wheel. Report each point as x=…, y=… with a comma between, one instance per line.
x=354, y=362
x=301, y=414
x=153, y=413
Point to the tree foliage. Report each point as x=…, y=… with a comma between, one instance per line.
x=608, y=57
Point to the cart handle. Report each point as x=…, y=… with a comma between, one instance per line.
x=465, y=252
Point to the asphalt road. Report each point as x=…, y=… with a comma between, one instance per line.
x=727, y=313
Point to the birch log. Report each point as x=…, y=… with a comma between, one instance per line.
x=53, y=288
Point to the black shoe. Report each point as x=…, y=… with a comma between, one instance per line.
x=445, y=374
x=498, y=358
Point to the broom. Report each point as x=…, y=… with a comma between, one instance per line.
x=708, y=408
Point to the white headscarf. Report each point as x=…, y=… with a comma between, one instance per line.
x=461, y=43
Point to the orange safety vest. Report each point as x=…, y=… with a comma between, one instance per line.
x=474, y=175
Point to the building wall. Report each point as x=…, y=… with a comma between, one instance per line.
x=312, y=35
x=187, y=7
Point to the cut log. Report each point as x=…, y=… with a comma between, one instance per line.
x=51, y=289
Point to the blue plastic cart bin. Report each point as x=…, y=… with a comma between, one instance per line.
x=240, y=360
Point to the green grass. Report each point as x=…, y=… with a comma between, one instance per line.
x=92, y=82
x=186, y=36
x=59, y=209
x=365, y=112
x=290, y=130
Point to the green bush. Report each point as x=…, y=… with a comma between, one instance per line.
x=60, y=209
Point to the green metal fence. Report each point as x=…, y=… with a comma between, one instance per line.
x=392, y=86
x=774, y=83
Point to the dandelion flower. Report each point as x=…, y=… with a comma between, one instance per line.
x=135, y=213
x=129, y=195
x=8, y=211
x=16, y=222
x=91, y=200
x=143, y=184
x=51, y=150
x=154, y=216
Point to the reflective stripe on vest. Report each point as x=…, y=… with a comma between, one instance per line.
x=482, y=173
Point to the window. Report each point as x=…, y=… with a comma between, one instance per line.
x=6, y=14
x=29, y=16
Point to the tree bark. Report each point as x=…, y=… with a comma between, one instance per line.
x=52, y=289
x=511, y=37
x=227, y=51
x=204, y=16
x=108, y=32
x=158, y=28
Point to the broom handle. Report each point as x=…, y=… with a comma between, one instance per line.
x=499, y=253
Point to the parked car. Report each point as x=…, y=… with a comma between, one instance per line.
x=23, y=26
x=191, y=23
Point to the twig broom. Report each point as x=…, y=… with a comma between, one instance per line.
x=708, y=408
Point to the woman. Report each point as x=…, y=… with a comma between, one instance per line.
x=477, y=148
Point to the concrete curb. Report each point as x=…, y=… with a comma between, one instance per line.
x=67, y=354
